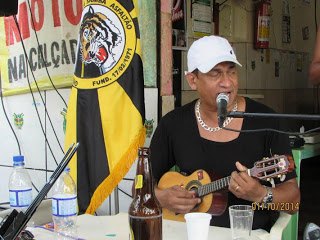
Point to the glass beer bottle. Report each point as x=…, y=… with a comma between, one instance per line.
x=145, y=214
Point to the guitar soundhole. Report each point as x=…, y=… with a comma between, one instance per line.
x=196, y=207
x=193, y=185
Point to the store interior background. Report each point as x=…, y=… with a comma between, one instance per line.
x=277, y=76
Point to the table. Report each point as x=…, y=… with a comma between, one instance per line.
x=299, y=154
x=116, y=227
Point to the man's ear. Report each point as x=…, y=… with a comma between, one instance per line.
x=192, y=79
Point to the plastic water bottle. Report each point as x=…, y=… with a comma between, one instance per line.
x=20, y=186
x=64, y=205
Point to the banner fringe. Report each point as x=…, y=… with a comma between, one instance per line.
x=117, y=173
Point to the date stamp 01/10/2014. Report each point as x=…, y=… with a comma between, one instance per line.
x=278, y=206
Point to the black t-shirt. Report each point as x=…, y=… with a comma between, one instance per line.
x=177, y=141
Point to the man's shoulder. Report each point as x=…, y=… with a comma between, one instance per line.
x=255, y=106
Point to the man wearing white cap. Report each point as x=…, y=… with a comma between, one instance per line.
x=190, y=138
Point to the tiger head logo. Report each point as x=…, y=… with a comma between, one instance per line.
x=98, y=39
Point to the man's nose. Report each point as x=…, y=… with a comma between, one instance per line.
x=225, y=79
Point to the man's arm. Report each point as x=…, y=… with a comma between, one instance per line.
x=314, y=70
x=286, y=195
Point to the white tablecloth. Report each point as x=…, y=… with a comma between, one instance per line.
x=116, y=227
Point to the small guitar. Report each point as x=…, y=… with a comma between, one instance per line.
x=214, y=194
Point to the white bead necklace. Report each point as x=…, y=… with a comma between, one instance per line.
x=205, y=126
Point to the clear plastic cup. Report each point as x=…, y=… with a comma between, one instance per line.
x=241, y=218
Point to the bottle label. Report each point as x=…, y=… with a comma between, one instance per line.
x=20, y=198
x=131, y=234
x=64, y=205
x=139, y=181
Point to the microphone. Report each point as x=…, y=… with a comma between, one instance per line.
x=222, y=102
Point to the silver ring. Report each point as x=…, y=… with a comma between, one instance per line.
x=237, y=188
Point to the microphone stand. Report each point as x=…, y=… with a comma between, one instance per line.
x=16, y=221
x=238, y=114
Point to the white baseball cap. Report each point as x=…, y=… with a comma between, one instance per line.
x=208, y=51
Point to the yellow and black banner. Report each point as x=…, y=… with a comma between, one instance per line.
x=106, y=107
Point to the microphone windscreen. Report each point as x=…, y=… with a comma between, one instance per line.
x=222, y=102
x=222, y=96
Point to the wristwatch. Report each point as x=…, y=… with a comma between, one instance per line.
x=268, y=197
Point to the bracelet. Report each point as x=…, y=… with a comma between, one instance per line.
x=268, y=198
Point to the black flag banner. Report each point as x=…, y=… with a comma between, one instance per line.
x=106, y=107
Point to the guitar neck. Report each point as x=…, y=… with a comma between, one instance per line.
x=213, y=186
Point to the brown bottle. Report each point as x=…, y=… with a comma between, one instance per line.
x=145, y=214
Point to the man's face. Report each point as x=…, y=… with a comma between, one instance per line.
x=222, y=78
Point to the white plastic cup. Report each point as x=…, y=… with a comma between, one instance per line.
x=197, y=225
x=241, y=218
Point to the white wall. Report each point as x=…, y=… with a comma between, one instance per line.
x=32, y=140
x=30, y=136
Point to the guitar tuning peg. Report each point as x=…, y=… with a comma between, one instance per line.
x=271, y=180
x=282, y=178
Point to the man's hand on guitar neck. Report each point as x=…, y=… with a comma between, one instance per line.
x=177, y=199
x=246, y=187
